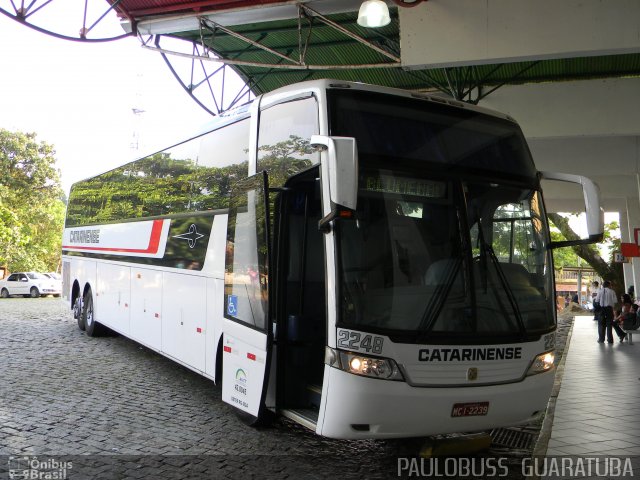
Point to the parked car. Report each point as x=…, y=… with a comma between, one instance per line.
x=57, y=280
x=29, y=284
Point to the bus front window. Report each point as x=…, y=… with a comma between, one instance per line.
x=428, y=259
x=401, y=260
x=511, y=259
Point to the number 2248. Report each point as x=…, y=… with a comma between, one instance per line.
x=357, y=341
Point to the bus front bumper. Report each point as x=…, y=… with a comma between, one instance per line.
x=361, y=407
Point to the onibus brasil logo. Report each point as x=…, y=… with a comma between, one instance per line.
x=31, y=467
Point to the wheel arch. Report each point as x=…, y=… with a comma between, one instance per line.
x=87, y=287
x=218, y=374
x=75, y=292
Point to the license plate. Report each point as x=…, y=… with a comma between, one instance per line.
x=474, y=409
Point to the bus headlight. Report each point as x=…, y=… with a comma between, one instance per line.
x=542, y=363
x=358, y=364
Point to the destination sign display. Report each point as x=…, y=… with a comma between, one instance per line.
x=405, y=186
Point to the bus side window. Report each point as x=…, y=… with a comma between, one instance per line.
x=192, y=176
x=283, y=139
x=222, y=159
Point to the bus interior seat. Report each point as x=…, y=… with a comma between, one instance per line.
x=516, y=275
x=411, y=254
x=440, y=270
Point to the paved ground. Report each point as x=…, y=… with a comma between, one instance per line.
x=598, y=408
x=63, y=393
x=117, y=410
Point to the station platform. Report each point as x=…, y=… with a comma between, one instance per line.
x=596, y=408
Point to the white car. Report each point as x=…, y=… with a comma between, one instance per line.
x=29, y=284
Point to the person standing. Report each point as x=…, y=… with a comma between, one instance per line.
x=597, y=309
x=607, y=299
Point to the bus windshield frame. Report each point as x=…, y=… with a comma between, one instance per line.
x=450, y=241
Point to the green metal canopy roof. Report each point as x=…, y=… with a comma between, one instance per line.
x=328, y=52
x=271, y=43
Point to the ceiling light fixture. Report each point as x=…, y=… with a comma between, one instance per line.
x=373, y=14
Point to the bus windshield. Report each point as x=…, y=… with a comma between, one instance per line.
x=436, y=255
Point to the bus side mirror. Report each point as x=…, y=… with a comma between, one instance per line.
x=593, y=207
x=341, y=168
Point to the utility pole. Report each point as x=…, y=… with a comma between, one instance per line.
x=579, y=281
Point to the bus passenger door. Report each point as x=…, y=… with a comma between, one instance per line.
x=247, y=336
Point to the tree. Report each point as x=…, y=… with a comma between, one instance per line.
x=31, y=203
x=565, y=256
x=607, y=270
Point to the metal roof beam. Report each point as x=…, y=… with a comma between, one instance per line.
x=22, y=14
x=214, y=26
x=334, y=43
x=273, y=65
x=348, y=33
x=303, y=10
x=197, y=6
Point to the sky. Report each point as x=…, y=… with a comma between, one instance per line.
x=80, y=97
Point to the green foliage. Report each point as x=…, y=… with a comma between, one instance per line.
x=565, y=256
x=159, y=185
x=152, y=186
x=31, y=205
x=607, y=270
x=568, y=256
x=284, y=159
x=609, y=239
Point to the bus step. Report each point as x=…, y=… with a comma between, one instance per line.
x=315, y=394
x=306, y=417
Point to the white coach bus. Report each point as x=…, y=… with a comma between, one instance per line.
x=369, y=262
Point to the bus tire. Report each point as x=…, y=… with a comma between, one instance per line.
x=92, y=328
x=34, y=293
x=77, y=312
x=4, y=293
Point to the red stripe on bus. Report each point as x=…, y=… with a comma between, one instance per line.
x=227, y=349
x=152, y=248
x=251, y=356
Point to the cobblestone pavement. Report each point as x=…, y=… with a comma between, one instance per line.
x=137, y=414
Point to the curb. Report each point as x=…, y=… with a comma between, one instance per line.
x=540, y=448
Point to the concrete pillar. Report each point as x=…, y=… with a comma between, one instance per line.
x=633, y=211
x=626, y=236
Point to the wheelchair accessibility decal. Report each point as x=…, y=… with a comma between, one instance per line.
x=232, y=305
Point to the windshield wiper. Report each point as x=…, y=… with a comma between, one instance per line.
x=485, y=249
x=438, y=299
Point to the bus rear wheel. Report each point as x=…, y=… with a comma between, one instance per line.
x=92, y=328
x=77, y=312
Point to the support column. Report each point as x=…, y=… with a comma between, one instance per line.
x=633, y=212
x=625, y=236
